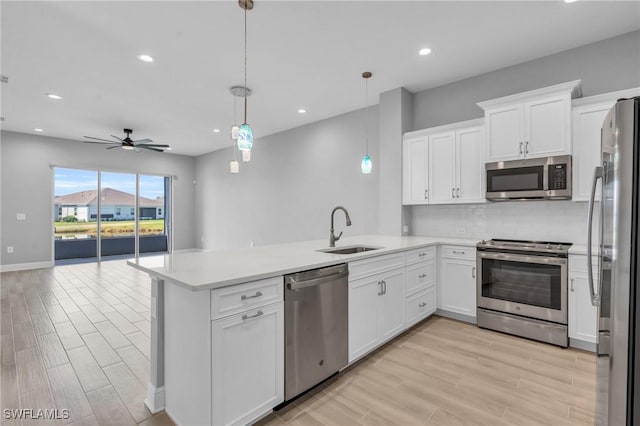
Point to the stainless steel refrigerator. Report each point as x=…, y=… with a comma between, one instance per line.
x=615, y=289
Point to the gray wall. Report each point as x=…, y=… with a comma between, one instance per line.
x=605, y=66
x=287, y=191
x=27, y=187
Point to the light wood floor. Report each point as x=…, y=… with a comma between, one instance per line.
x=445, y=372
x=77, y=337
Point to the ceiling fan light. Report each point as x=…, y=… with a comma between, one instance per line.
x=128, y=147
x=245, y=138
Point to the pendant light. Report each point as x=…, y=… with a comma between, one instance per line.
x=245, y=134
x=366, y=165
x=234, y=166
x=239, y=92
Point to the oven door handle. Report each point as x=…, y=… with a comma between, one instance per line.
x=598, y=173
x=523, y=258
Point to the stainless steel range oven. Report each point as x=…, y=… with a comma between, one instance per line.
x=522, y=289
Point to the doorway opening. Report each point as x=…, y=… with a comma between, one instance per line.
x=100, y=215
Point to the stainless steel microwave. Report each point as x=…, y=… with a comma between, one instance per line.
x=531, y=179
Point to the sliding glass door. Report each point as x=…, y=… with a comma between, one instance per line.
x=114, y=214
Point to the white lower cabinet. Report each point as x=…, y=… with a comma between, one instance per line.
x=376, y=311
x=420, y=306
x=457, y=284
x=583, y=316
x=247, y=364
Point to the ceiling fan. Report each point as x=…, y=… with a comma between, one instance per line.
x=129, y=144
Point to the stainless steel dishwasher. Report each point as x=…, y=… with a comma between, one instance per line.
x=316, y=326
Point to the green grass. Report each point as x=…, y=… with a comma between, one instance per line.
x=147, y=227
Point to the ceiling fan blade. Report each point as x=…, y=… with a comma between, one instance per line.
x=115, y=146
x=142, y=141
x=151, y=145
x=104, y=143
x=98, y=139
x=149, y=148
x=115, y=137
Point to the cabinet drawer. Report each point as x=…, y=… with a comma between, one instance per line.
x=420, y=305
x=233, y=299
x=459, y=252
x=578, y=263
x=375, y=265
x=420, y=255
x=420, y=276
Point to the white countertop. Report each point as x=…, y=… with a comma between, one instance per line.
x=220, y=268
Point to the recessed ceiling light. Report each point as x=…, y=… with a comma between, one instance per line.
x=570, y=1
x=37, y=129
x=216, y=130
x=54, y=96
x=302, y=111
x=424, y=51
x=145, y=58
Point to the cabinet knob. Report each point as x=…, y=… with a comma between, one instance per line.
x=422, y=305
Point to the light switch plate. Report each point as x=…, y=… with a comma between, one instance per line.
x=10, y=249
x=21, y=216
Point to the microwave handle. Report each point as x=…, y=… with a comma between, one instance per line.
x=598, y=173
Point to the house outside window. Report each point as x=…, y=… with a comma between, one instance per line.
x=75, y=211
x=159, y=212
x=133, y=211
x=117, y=211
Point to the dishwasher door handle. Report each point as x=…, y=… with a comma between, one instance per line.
x=295, y=285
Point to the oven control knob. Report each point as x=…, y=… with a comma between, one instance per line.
x=483, y=242
x=548, y=246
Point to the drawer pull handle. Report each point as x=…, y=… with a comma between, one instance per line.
x=473, y=272
x=245, y=297
x=422, y=254
x=422, y=305
x=572, y=287
x=422, y=275
x=457, y=252
x=246, y=317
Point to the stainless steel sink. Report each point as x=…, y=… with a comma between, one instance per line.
x=349, y=250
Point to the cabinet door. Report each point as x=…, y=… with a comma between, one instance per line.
x=583, y=316
x=414, y=173
x=458, y=287
x=442, y=151
x=504, y=133
x=247, y=364
x=363, y=315
x=547, y=126
x=470, y=167
x=587, y=132
x=391, y=305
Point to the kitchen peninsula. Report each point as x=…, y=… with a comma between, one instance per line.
x=217, y=326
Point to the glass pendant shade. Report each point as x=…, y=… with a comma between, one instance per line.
x=234, y=167
x=245, y=138
x=234, y=132
x=366, y=164
x=246, y=156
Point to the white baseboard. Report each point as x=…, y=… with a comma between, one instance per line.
x=456, y=316
x=582, y=344
x=155, y=398
x=26, y=266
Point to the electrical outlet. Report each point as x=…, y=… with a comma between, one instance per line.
x=9, y=249
x=461, y=230
x=21, y=216
x=405, y=229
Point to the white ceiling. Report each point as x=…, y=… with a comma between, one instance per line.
x=302, y=54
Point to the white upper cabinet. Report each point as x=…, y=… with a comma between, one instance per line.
x=530, y=125
x=587, y=118
x=415, y=183
x=450, y=165
x=442, y=153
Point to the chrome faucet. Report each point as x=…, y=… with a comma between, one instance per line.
x=332, y=236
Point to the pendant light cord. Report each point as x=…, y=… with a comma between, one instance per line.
x=245, y=65
x=366, y=114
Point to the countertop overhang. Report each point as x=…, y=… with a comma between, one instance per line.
x=203, y=270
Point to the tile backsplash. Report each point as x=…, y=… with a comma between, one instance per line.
x=562, y=221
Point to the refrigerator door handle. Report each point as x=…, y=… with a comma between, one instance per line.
x=598, y=173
